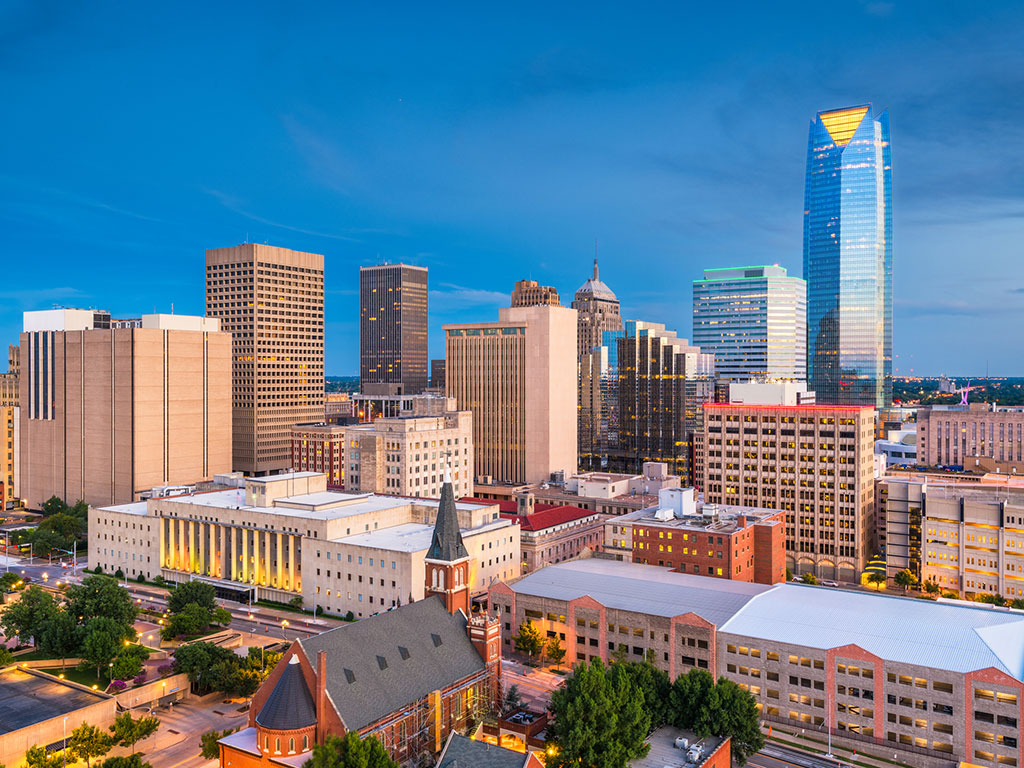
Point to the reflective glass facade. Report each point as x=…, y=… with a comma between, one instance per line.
x=848, y=257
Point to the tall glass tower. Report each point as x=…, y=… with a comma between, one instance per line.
x=848, y=257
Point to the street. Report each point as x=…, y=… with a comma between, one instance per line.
x=176, y=744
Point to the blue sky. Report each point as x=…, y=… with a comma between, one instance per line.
x=492, y=142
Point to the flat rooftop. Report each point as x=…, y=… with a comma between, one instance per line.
x=27, y=699
x=646, y=589
x=726, y=522
x=954, y=637
x=664, y=753
x=410, y=537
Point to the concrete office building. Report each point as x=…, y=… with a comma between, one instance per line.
x=437, y=374
x=286, y=535
x=528, y=293
x=271, y=301
x=814, y=462
x=404, y=455
x=754, y=320
x=392, y=329
x=687, y=535
x=518, y=377
x=10, y=453
x=968, y=539
x=110, y=412
x=933, y=683
x=597, y=310
x=977, y=437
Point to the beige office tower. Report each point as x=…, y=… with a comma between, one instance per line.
x=530, y=292
x=271, y=300
x=110, y=409
x=518, y=377
x=815, y=462
x=598, y=310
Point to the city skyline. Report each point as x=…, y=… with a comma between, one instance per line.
x=512, y=167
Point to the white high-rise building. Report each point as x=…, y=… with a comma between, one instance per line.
x=754, y=319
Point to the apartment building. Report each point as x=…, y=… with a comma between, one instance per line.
x=528, y=293
x=932, y=683
x=979, y=436
x=814, y=462
x=271, y=301
x=112, y=411
x=403, y=455
x=684, y=534
x=286, y=535
x=967, y=539
x=518, y=377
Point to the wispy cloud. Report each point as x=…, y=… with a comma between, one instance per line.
x=41, y=298
x=232, y=204
x=458, y=297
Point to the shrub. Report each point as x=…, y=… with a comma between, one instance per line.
x=350, y=616
x=140, y=678
x=165, y=669
x=116, y=686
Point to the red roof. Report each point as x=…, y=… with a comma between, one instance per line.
x=549, y=517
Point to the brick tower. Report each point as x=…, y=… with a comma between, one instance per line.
x=447, y=561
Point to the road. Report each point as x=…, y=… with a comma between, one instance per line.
x=176, y=743
x=776, y=756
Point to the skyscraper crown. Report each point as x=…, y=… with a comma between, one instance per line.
x=841, y=124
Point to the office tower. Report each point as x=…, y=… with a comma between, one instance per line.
x=848, y=257
x=978, y=437
x=518, y=377
x=754, y=319
x=641, y=396
x=109, y=411
x=392, y=329
x=598, y=310
x=437, y=374
x=9, y=380
x=10, y=439
x=271, y=300
x=815, y=462
x=530, y=292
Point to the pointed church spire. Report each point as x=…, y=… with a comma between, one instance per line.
x=447, y=544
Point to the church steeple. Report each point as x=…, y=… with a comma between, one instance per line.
x=446, y=566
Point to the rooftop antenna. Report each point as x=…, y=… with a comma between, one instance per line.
x=172, y=307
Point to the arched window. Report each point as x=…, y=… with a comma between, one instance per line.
x=305, y=743
x=277, y=745
x=291, y=745
x=266, y=743
x=440, y=578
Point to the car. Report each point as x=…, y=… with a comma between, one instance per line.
x=828, y=583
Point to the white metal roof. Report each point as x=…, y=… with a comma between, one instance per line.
x=957, y=638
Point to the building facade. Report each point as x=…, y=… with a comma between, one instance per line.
x=975, y=436
x=754, y=320
x=848, y=257
x=271, y=301
x=320, y=447
x=518, y=377
x=9, y=380
x=597, y=310
x=814, y=462
x=528, y=293
x=392, y=329
x=284, y=536
x=437, y=374
x=967, y=539
x=111, y=412
x=10, y=445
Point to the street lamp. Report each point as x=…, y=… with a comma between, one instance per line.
x=284, y=623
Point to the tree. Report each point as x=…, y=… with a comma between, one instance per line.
x=9, y=582
x=198, y=592
x=995, y=599
x=931, y=587
x=103, y=596
x=809, y=578
x=876, y=579
x=296, y=602
x=102, y=643
x=38, y=757
x=191, y=620
x=221, y=616
x=555, y=651
x=243, y=681
x=350, y=751
x=128, y=732
x=203, y=663
x=54, y=506
x=738, y=719
x=513, y=700
x=88, y=741
x=62, y=636
x=528, y=640
x=6, y=657
x=1018, y=603
x=125, y=761
x=699, y=704
x=66, y=527
x=599, y=719
x=126, y=666
x=693, y=701
x=208, y=746
x=905, y=579
x=29, y=616
x=655, y=687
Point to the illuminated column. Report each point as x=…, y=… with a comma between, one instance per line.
x=201, y=530
x=223, y=559
x=245, y=555
x=182, y=546
x=293, y=580
x=170, y=553
x=266, y=560
x=233, y=548
x=280, y=560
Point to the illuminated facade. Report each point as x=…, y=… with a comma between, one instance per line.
x=392, y=329
x=848, y=257
x=754, y=319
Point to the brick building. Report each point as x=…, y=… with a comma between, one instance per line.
x=979, y=435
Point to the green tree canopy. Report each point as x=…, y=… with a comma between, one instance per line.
x=126, y=666
x=208, y=746
x=6, y=657
x=125, y=761
x=528, y=640
x=905, y=579
x=62, y=636
x=599, y=719
x=191, y=620
x=198, y=592
x=738, y=719
x=104, y=639
x=876, y=579
x=655, y=687
x=88, y=741
x=709, y=709
x=350, y=751
x=29, y=616
x=208, y=666
x=555, y=651
x=102, y=596
x=128, y=732
x=54, y=506
x=38, y=757
x=513, y=700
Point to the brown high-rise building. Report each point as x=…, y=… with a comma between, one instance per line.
x=814, y=462
x=597, y=311
x=109, y=412
x=271, y=300
x=528, y=293
x=9, y=380
x=392, y=329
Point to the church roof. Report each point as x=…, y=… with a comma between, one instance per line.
x=595, y=288
x=447, y=544
x=290, y=705
x=384, y=663
x=461, y=752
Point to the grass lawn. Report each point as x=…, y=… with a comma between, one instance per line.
x=85, y=677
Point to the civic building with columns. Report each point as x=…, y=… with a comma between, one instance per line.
x=281, y=536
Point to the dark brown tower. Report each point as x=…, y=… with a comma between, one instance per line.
x=447, y=561
x=392, y=329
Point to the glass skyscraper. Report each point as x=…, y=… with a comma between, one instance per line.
x=848, y=257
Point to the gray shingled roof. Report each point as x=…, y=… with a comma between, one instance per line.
x=447, y=543
x=290, y=704
x=461, y=752
x=385, y=662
